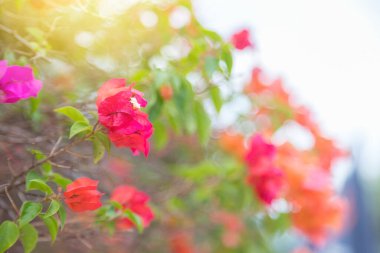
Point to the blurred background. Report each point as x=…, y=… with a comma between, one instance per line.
x=328, y=52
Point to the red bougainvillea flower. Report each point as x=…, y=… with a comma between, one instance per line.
x=241, y=40
x=181, y=242
x=166, y=92
x=17, y=83
x=131, y=198
x=266, y=179
x=82, y=195
x=119, y=111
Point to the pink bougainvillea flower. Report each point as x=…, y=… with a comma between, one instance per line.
x=267, y=184
x=16, y=83
x=131, y=198
x=259, y=151
x=241, y=40
x=266, y=179
x=119, y=111
x=82, y=195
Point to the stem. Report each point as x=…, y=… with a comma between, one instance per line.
x=54, y=152
x=11, y=200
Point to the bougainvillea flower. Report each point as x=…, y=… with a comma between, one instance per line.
x=267, y=184
x=166, y=92
x=266, y=179
x=181, y=242
x=241, y=40
x=119, y=111
x=131, y=198
x=321, y=219
x=259, y=151
x=256, y=84
x=16, y=83
x=82, y=195
x=317, y=211
x=327, y=151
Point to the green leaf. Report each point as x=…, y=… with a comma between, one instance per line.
x=53, y=209
x=46, y=167
x=62, y=215
x=52, y=225
x=28, y=212
x=203, y=123
x=216, y=98
x=226, y=56
x=28, y=237
x=39, y=185
x=160, y=135
x=135, y=219
x=155, y=109
x=8, y=235
x=211, y=65
x=72, y=113
x=60, y=180
x=103, y=138
x=31, y=176
x=79, y=127
x=98, y=150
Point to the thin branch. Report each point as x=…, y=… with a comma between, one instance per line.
x=55, y=146
x=11, y=200
x=60, y=165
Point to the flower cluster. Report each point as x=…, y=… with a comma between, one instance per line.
x=119, y=112
x=317, y=210
x=136, y=201
x=16, y=83
x=82, y=195
x=263, y=175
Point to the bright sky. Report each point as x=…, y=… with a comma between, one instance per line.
x=328, y=52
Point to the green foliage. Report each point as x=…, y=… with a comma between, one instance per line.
x=62, y=215
x=60, y=180
x=52, y=226
x=9, y=234
x=53, y=209
x=136, y=220
x=39, y=185
x=28, y=212
x=46, y=166
x=160, y=135
x=79, y=127
x=98, y=149
x=203, y=123
x=28, y=238
x=72, y=113
x=216, y=97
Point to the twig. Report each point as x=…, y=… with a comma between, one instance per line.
x=77, y=154
x=11, y=200
x=60, y=165
x=55, y=146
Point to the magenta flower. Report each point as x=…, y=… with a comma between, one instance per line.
x=241, y=40
x=16, y=83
